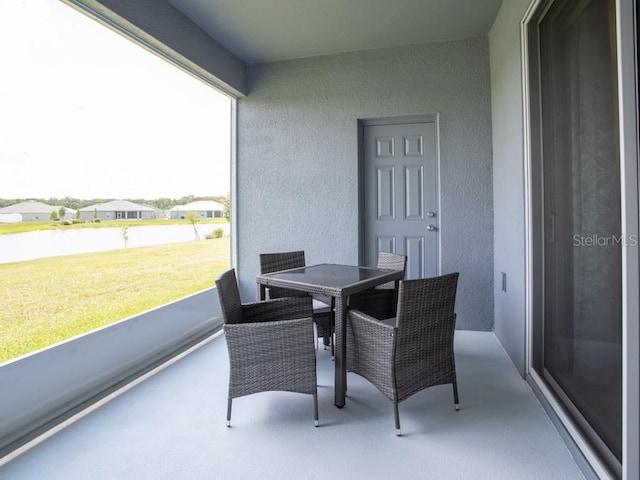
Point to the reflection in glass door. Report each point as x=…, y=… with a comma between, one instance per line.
x=580, y=341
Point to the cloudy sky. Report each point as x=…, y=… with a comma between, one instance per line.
x=86, y=113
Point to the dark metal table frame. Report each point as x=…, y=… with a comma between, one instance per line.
x=339, y=282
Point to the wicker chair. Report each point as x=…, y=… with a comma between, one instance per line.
x=270, y=344
x=412, y=351
x=323, y=308
x=379, y=301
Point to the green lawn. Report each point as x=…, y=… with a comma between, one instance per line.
x=49, y=225
x=48, y=300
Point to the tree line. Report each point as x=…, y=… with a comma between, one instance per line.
x=161, y=203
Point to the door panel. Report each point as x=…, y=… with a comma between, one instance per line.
x=414, y=248
x=386, y=244
x=413, y=197
x=581, y=304
x=385, y=196
x=401, y=196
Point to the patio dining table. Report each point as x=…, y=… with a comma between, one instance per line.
x=339, y=282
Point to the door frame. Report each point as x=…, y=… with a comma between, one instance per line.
x=627, y=82
x=395, y=120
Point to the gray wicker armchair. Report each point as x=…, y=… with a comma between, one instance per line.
x=270, y=344
x=323, y=314
x=412, y=351
x=379, y=301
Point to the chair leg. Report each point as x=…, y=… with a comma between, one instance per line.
x=229, y=412
x=315, y=409
x=396, y=415
x=456, y=403
x=315, y=334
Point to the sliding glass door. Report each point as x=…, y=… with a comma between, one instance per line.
x=578, y=338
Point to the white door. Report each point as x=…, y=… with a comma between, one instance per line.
x=401, y=213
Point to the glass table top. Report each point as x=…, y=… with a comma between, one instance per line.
x=328, y=275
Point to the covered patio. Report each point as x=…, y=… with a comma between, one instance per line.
x=172, y=425
x=308, y=81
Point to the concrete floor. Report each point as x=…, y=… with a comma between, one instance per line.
x=172, y=426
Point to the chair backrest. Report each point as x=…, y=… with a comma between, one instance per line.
x=229, y=296
x=426, y=310
x=391, y=261
x=274, y=262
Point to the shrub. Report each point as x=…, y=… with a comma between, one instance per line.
x=217, y=233
x=96, y=220
x=66, y=222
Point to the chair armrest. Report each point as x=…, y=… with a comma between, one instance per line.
x=370, y=346
x=287, y=308
x=359, y=316
x=370, y=327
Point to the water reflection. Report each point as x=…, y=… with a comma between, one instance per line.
x=19, y=247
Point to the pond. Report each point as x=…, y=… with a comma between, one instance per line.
x=18, y=247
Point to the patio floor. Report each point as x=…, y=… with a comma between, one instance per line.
x=172, y=426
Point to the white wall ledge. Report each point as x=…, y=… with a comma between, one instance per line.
x=44, y=388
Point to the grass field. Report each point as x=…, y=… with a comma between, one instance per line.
x=48, y=300
x=20, y=227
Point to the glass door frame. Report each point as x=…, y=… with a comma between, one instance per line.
x=627, y=81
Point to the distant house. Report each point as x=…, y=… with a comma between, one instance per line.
x=159, y=212
x=32, y=210
x=202, y=209
x=10, y=217
x=117, y=210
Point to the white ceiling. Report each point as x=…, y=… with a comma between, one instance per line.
x=258, y=31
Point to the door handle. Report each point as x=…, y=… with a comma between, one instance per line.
x=431, y=228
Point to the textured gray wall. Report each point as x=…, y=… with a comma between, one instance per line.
x=298, y=160
x=508, y=178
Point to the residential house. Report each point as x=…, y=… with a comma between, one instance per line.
x=159, y=213
x=32, y=210
x=10, y=217
x=117, y=210
x=201, y=208
x=508, y=130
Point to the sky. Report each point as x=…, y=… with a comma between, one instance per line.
x=86, y=113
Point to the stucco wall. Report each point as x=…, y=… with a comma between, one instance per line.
x=297, y=169
x=508, y=178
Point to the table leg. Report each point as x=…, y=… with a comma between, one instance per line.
x=340, y=351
